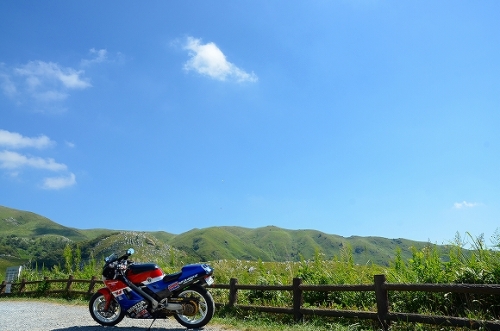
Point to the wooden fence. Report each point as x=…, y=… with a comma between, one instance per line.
x=380, y=287
x=44, y=287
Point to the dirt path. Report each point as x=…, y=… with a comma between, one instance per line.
x=43, y=316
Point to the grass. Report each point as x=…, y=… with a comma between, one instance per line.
x=480, y=265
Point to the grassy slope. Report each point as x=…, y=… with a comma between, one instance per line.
x=147, y=247
x=268, y=243
x=215, y=243
x=275, y=244
x=27, y=224
x=162, y=236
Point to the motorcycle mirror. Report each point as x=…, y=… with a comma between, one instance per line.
x=110, y=258
x=130, y=251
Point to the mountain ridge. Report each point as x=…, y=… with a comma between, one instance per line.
x=269, y=243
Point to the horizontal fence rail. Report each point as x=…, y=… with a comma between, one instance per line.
x=44, y=287
x=380, y=288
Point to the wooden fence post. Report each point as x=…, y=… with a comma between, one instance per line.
x=382, y=300
x=68, y=285
x=233, y=292
x=45, y=285
x=91, y=285
x=297, y=300
x=22, y=287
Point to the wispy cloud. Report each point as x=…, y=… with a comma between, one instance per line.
x=98, y=56
x=15, y=140
x=207, y=59
x=48, y=82
x=465, y=204
x=14, y=162
x=56, y=183
x=41, y=86
x=6, y=85
x=45, y=85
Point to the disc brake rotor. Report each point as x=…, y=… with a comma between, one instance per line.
x=190, y=308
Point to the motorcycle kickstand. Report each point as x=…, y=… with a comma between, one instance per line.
x=151, y=324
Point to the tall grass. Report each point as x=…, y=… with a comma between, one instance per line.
x=469, y=261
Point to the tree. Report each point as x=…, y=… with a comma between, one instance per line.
x=77, y=258
x=68, y=258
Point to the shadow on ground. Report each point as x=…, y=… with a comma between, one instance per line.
x=127, y=328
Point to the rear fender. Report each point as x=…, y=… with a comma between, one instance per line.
x=190, y=274
x=108, y=296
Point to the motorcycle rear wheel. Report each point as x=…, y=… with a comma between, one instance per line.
x=204, y=305
x=109, y=317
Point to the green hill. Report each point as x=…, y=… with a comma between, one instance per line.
x=28, y=224
x=271, y=243
x=147, y=247
x=219, y=243
x=26, y=236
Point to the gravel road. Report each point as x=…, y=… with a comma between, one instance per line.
x=44, y=316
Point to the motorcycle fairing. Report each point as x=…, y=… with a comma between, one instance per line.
x=106, y=293
x=126, y=297
x=139, y=310
x=188, y=274
x=144, y=273
x=134, y=304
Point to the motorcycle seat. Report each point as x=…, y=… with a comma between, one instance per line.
x=142, y=267
x=171, y=277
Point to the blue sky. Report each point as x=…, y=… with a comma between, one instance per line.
x=363, y=117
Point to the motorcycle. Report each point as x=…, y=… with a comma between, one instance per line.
x=142, y=290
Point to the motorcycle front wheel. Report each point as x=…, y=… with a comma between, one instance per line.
x=199, y=310
x=109, y=317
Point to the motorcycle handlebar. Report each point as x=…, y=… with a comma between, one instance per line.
x=113, y=258
x=123, y=257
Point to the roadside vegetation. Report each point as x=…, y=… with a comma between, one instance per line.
x=470, y=261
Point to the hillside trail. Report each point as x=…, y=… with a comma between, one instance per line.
x=18, y=315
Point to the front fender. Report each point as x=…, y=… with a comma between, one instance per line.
x=108, y=296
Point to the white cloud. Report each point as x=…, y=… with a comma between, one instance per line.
x=208, y=59
x=41, y=74
x=465, y=204
x=16, y=140
x=50, y=96
x=41, y=85
x=56, y=183
x=14, y=160
x=99, y=55
x=45, y=85
x=8, y=87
